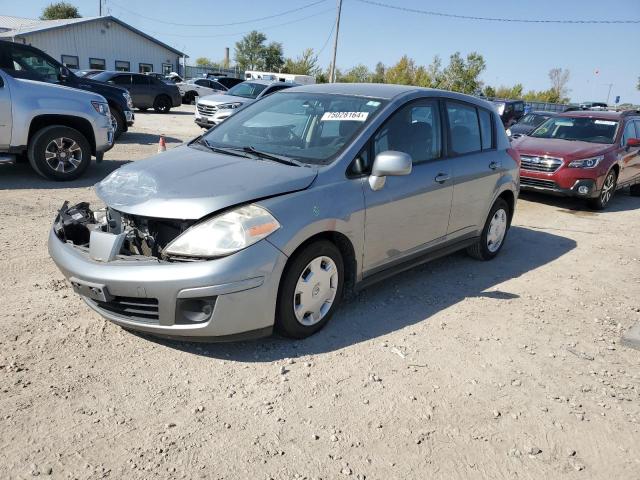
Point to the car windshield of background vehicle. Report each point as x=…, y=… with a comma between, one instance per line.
x=247, y=90
x=311, y=128
x=593, y=130
x=532, y=120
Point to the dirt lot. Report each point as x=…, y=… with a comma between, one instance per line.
x=457, y=369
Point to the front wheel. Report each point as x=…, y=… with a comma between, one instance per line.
x=493, y=234
x=59, y=153
x=311, y=290
x=162, y=104
x=608, y=189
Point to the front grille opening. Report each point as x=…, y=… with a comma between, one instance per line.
x=540, y=164
x=143, y=310
x=536, y=182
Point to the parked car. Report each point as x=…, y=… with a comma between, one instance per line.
x=146, y=91
x=510, y=111
x=213, y=109
x=528, y=124
x=593, y=106
x=199, y=87
x=25, y=61
x=228, y=82
x=583, y=154
x=270, y=216
x=86, y=73
x=57, y=128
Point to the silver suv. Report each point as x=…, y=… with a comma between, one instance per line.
x=268, y=218
x=58, y=128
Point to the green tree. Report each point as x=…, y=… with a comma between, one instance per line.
x=249, y=52
x=514, y=92
x=305, y=64
x=204, y=62
x=463, y=75
x=489, y=91
x=402, y=73
x=378, y=73
x=273, y=57
x=59, y=10
x=358, y=74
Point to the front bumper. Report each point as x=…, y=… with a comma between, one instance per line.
x=243, y=286
x=582, y=188
x=208, y=121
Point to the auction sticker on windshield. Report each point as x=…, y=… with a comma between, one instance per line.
x=353, y=116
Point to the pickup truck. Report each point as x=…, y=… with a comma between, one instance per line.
x=25, y=61
x=57, y=128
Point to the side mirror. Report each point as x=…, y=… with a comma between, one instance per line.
x=388, y=164
x=633, y=142
x=64, y=73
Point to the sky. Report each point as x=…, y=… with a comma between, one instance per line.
x=514, y=52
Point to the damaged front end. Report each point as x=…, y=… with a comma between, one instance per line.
x=107, y=234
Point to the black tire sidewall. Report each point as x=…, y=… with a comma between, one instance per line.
x=596, y=203
x=120, y=123
x=497, y=205
x=39, y=142
x=286, y=322
x=162, y=104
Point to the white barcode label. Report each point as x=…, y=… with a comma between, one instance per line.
x=351, y=116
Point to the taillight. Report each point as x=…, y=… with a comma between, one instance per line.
x=514, y=154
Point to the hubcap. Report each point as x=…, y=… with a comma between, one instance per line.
x=63, y=155
x=607, y=189
x=315, y=291
x=497, y=230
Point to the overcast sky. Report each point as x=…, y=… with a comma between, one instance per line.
x=514, y=52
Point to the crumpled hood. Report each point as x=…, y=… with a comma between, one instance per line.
x=555, y=147
x=188, y=183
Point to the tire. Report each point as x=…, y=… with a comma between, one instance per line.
x=118, y=122
x=59, y=147
x=606, y=194
x=162, y=104
x=634, y=190
x=493, y=234
x=319, y=259
x=189, y=98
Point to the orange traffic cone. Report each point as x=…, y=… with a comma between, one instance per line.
x=162, y=145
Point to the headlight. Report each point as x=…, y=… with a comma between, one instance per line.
x=591, y=162
x=225, y=234
x=100, y=107
x=229, y=105
x=127, y=97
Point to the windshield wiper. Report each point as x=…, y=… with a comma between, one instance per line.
x=227, y=151
x=271, y=156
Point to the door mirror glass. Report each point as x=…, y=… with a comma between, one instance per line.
x=390, y=163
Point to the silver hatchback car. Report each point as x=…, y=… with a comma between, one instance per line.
x=269, y=218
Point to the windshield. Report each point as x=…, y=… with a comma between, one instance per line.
x=532, y=120
x=311, y=128
x=247, y=89
x=584, y=129
x=103, y=76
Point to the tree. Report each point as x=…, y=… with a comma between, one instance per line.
x=378, y=73
x=305, y=64
x=559, y=79
x=273, y=57
x=402, y=73
x=489, y=91
x=358, y=74
x=204, y=62
x=514, y=92
x=463, y=75
x=59, y=10
x=249, y=52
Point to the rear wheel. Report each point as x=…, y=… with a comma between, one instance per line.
x=190, y=97
x=162, y=104
x=59, y=153
x=493, y=234
x=606, y=194
x=311, y=290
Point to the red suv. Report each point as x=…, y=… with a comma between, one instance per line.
x=584, y=154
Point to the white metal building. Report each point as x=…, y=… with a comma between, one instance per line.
x=100, y=43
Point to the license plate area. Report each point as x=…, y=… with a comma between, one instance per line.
x=95, y=291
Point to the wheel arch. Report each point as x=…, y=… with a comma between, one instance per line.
x=77, y=123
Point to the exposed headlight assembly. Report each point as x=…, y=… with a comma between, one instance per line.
x=224, y=234
x=225, y=106
x=101, y=107
x=591, y=162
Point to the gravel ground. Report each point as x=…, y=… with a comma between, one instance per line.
x=456, y=369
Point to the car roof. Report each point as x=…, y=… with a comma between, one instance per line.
x=604, y=114
x=383, y=91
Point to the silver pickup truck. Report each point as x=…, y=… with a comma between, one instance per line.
x=57, y=128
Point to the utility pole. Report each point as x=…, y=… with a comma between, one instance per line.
x=610, y=85
x=100, y=8
x=333, y=73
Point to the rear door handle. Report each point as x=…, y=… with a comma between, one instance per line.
x=494, y=165
x=442, y=177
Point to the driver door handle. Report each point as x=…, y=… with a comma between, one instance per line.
x=442, y=177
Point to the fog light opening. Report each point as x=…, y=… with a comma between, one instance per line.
x=583, y=189
x=194, y=310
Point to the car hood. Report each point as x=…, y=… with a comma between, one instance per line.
x=555, y=147
x=219, y=98
x=189, y=183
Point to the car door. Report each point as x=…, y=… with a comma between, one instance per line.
x=141, y=91
x=410, y=213
x=5, y=114
x=124, y=80
x=630, y=162
x=476, y=165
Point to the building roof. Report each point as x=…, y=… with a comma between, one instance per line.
x=16, y=27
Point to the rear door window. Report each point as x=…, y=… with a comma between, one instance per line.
x=140, y=79
x=464, y=128
x=122, y=79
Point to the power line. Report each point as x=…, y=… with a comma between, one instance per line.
x=326, y=42
x=493, y=19
x=322, y=12
x=275, y=15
